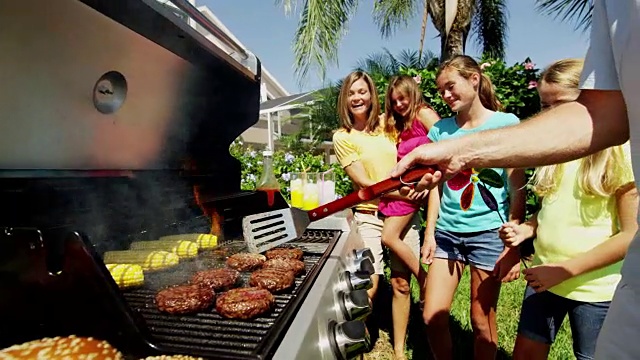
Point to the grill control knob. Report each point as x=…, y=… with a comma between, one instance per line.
x=359, y=280
x=356, y=304
x=363, y=253
x=351, y=339
x=364, y=265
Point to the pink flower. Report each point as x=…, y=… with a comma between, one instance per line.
x=532, y=84
x=417, y=79
x=529, y=65
x=484, y=65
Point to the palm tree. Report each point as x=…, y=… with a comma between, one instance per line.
x=578, y=11
x=323, y=22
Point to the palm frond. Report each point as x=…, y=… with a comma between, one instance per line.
x=289, y=6
x=412, y=59
x=490, y=27
x=578, y=11
x=391, y=15
x=393, y=61
x=321, y=113
x=320, y=30
x=381, y=63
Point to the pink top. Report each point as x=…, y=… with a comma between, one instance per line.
x=408, y=140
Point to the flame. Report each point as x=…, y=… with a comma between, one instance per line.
x=216, y=223
x=211, y=212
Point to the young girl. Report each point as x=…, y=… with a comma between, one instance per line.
x=367, y=152
x=474, y=205
x=587, y=220
x=408, y=116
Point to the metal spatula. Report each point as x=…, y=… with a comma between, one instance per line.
x=270, y=229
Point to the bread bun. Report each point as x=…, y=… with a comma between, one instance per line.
x=59, y=348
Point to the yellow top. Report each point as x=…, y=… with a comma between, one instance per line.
x=571, y=223
x=376, y=151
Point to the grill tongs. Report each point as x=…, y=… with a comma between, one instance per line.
x=270, y=229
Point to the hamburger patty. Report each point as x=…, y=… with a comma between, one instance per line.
x=216, y=279
x=184, y=299
x=294, y=265
x=245, y=261
x=284, y=253
x=272, y=279
x=244, y=303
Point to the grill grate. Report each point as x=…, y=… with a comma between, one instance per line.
x=211, y=335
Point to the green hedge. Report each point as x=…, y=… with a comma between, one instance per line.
x=285, y=163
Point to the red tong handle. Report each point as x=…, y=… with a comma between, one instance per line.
x=370, y=192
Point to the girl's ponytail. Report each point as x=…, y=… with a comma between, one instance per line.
x=487, y=94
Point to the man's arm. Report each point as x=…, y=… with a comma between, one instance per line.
x=597, y=120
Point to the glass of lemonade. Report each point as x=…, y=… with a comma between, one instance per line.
x=296, y=187
x=311, y=192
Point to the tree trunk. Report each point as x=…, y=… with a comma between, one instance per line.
x=454, y=44
x=423, y=31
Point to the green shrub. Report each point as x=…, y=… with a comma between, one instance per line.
x=284, y=163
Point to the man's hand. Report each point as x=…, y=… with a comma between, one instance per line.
x=507, y=266
x=512, y=234
x=443, y=154
x=543, y=277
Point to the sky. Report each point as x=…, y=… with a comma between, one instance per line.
x=265, y=30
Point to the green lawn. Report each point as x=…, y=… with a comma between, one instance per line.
x=508, y=315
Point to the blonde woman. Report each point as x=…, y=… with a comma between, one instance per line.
x=367, y=153
x=587, y=220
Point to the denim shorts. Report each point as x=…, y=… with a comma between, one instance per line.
x=479, y=249
x=542, y=315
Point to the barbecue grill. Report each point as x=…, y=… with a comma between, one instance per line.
x=117, y=117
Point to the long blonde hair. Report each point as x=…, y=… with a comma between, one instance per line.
x=346, y=118
x=466, y=66
x=396, y=123
x=599, y=173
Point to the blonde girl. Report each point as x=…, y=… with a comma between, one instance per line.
x=410, y=118
x=473, y=206
x=582, y=231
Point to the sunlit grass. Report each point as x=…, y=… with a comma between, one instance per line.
x=508, y=317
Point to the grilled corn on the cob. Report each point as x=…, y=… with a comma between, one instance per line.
x=148, y=259
x=182, y=248
x=204, y=241
x=126, y=275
